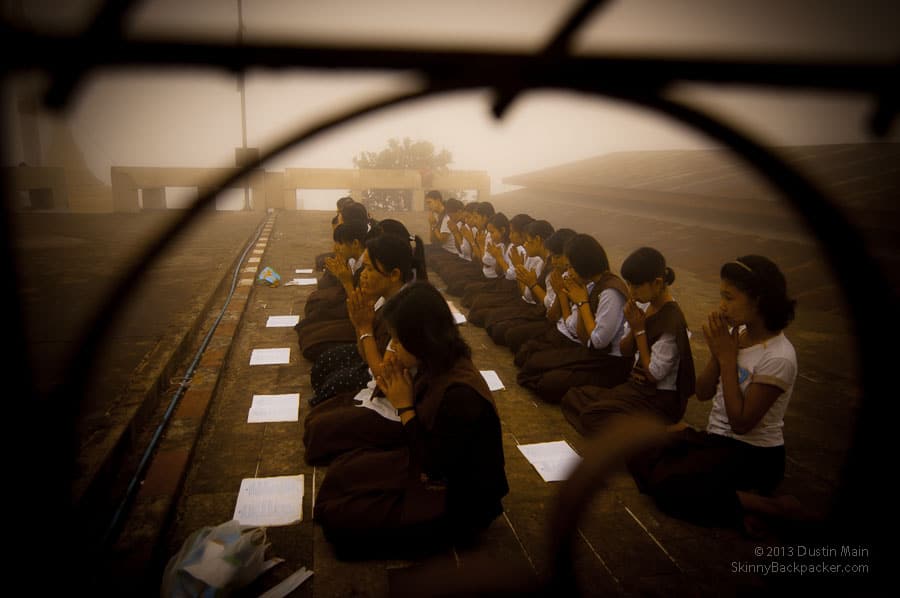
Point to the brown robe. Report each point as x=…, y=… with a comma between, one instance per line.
x=372, y=498
x=588, y=407
x=501, y=319
x=330, y=325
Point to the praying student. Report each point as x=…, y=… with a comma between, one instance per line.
x=662, y=379
x=584, y=347
x=344, y=377
x=726, y=475
x=452, y=212
x=476, y=235
x=320, y=259
x=434, y=205
x=444, y=486
x=326, y=324
x=492, y=261
x=506, y=289
x=387, y=264
x=532, y=278
x=348, y=213
x=519, y=331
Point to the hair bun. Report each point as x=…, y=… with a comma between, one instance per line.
x=669, y=275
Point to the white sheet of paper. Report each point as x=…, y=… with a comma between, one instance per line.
x=492, y=379
x=554, y=461
x=274, y=408
x=458, y=316
x=270, y=356
x=303, y=271
x=301, y=282
x=282, y=321
x=379, y=405
x=270, y=501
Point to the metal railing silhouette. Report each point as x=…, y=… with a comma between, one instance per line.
x=639, y=80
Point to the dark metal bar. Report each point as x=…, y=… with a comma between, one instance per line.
x=555, y=48
x=101, y=36
x=478, y=68
x=633, y=78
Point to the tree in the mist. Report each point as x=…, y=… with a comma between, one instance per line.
x=406, y=154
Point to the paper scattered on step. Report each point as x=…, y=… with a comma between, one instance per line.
x=301, y=282
x=282, y=321
x=270, y=501
x=458, y=316
x=492, y=379
x=379, y=405
x=303, y=271
x=554, y=461
x=274, y=408
x=270, y=356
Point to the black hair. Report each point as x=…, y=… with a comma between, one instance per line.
x=556, y=243
x=520, y=222
x=354, y=212
x=760, y=278
x=344, y=201
x=395, y=228
x=391, y=252
x=485, y=208
x=453, y=205
x=334, y=221
x=348, y=232
x=471, y=206
x=435, y=194
x=586, y=256
x=418, y=314
x=646, y=265
x=540, y=228
x=500, y=222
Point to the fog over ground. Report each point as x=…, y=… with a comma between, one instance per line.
x=193, y=118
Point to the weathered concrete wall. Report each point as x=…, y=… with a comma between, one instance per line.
x=126, y=180
x=33, y=178
x=273, y=189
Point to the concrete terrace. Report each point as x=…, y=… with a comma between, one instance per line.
x=624, y=545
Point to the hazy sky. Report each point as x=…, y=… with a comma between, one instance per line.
x=193, y=118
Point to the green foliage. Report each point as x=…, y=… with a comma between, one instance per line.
x=406, y=154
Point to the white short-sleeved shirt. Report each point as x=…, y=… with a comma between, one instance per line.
x=534, y=264
x=773, y=362
x=609, y=321
x=449, y=244
x=489, y=260
x=664, y=359
x=511, y=269
x=465, y=248
x=550, y=297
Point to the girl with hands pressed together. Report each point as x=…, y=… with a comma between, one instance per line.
x=656, y=340
x=444, y=484
x=326, y=324
x=584, y=347
x=343, y=378
x=514, y=326
x=725, y=475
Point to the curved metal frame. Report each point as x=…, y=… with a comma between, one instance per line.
x=859, y=276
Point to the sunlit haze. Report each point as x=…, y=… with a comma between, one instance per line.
x=194, y=118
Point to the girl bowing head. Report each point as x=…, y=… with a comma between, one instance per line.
x=445, y=484
x=656, y=340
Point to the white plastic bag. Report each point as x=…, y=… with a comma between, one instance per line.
x=216, y=561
